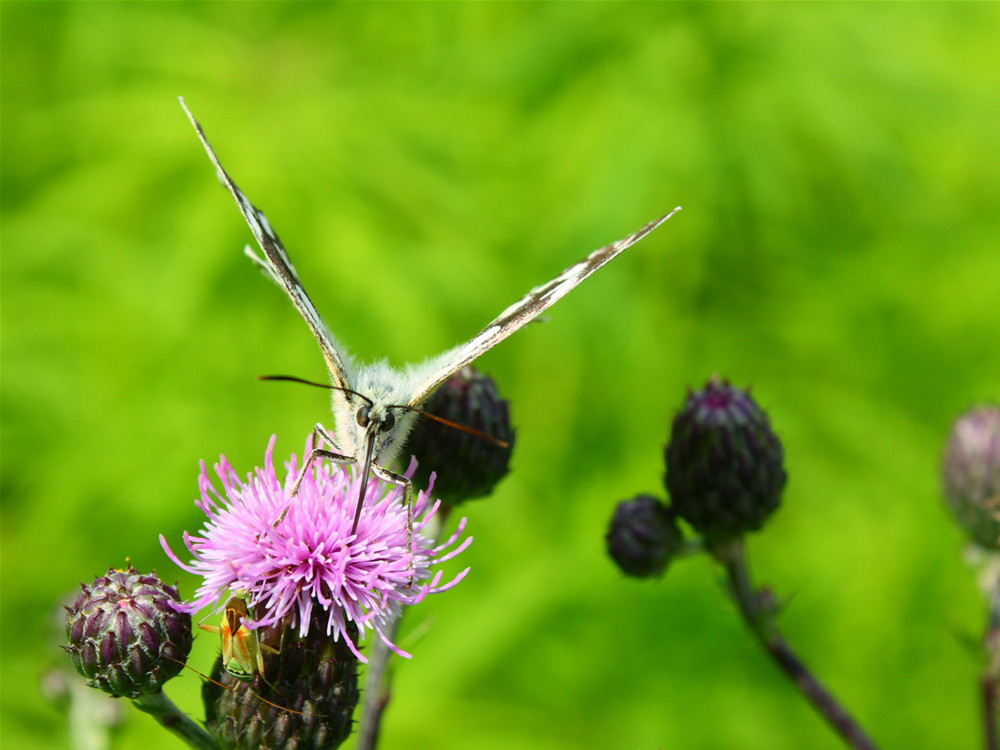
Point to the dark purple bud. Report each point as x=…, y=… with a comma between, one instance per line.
x=725, y=469
x=643, y=536
x=467, y=465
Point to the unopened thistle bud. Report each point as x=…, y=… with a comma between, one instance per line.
x=124, y=635
x=971, y=474
x=467, y=465
x=724, y=463
x=643, y=536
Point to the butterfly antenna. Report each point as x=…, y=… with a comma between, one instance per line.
x=461, y=427
x=293, y=379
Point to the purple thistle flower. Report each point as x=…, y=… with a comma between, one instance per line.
x=293, y=554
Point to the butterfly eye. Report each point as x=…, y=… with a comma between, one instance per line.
x=389, y=422
x=363, y=416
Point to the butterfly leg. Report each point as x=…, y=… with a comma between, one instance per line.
x=319, y=433
x=398, y=479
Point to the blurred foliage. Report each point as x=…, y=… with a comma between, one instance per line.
x=427, y=164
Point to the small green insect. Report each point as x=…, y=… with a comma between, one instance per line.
x=242, y=651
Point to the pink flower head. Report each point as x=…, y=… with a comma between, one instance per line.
x=293, y=554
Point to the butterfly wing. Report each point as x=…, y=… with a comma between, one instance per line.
x=277, y=265
x=523, y=311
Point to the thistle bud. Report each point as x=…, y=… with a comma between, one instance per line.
x=467, y=465
x=303, y=701
x=971, y=474
x=124, y=636
x=643, y=536
x=724, y=463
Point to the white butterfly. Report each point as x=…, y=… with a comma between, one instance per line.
x=374, y=405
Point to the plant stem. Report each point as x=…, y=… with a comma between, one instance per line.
x=378, y=682
x=171, y=718
x=989, y=687
x=757, y=609
x=378, y=691
x=988, y=681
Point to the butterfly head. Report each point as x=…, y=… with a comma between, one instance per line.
x=377, y=427
x=372, y=429
x=370, y=421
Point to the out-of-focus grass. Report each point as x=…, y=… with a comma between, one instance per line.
x=427, y=164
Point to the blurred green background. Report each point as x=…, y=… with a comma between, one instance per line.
x=425, y=165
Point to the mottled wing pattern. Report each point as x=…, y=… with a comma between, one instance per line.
x=277, y=264
x=526, y=309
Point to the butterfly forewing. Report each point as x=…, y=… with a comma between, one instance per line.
x=277, y=264
x=535, y=302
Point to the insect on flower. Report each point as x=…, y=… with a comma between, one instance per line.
x=242, y=651
x=240, y=670
x=308, y=696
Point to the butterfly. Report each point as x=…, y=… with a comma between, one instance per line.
x=375, y=405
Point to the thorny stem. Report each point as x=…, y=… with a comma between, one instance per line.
x=171, y=718
x=757, y=608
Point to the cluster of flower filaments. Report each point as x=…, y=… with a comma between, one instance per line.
x=292, y=554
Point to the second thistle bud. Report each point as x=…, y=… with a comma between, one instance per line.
x=643, y=536
x=468, y=465
x=971, y=474
x=725, y=468
x=124, y=635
